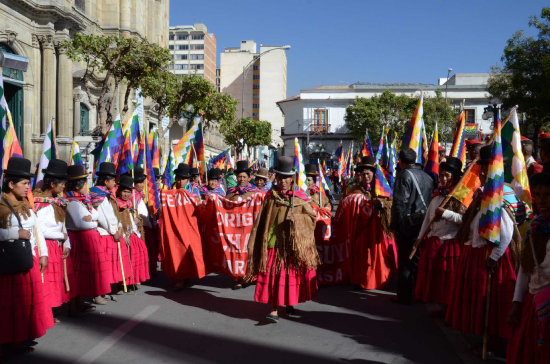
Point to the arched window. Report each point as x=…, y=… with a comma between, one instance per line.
x=84, y=120
x=13, y=92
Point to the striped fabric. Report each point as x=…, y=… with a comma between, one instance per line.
x=301, y=181
x=48, y=152
x=458, y=150
x=432, y=164
x=413, y=136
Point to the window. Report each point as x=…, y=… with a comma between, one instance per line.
x=182, y=46
x=80, y=4
x=255, y=115
x=255, y=77
x=197, y=56
x=183, y=37
x=171, y=66
x=171, y=37
x=171, y=47
x=255, y=68
x=181, y=67
x=180, y=56
x=84, y=120
x=256, y=96
x=255, y=106
x=470, y=115
x=197, y=46
x=197, y=36
x=255, y=87
x=197, y=66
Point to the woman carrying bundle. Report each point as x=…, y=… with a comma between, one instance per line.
x=24, y=313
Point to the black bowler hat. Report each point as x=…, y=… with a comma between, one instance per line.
x=311, y=170
x=368, y=162
x=57, y=169
x=285, y=166
x=452, y=164
x=182, y=171
x=139, y=176
x=156, y=171
x=125, y=182
x=214, y=173
x=485, y=154
x=194, y=172
x=18, y=167
x=76, y=171
x=107, y=169
x=242, y=166
x=407, y=155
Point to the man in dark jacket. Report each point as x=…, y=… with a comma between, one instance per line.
x=411, y=196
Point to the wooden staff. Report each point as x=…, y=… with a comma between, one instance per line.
x=443, y=204
x=121, y=266
x=487, y=311
x=65, y=274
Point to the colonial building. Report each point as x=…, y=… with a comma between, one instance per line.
x=51, y=86
x=317, y=116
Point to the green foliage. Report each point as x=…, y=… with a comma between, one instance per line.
x=524, y=77
x=247, y=131
x=395, y=111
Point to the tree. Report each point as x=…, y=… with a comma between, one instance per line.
x=395, y=112
x=246, y=132
x=524, y=77
x=110, y=60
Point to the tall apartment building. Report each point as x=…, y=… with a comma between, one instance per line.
x=257, y=80
x=193, y=51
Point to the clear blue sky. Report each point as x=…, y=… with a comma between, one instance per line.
x=345, y=41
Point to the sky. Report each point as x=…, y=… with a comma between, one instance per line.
x=337, y=42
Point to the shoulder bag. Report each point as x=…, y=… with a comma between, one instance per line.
x=15, y=255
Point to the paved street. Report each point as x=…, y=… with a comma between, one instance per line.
x=210, y=323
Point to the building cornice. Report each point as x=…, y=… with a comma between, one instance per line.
x=51, y=12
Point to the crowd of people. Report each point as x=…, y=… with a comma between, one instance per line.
x=89, y=244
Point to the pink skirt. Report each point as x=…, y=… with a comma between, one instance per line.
x=523, y=347
x=438, y=261
x=91, y=268
x=25, y=312
x=140, y=261
x=113, y=260
x=54, y=276
x=285, y=288
x=466, y=309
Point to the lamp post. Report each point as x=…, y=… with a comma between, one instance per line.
x=449, y=70
x=491, y=111
x=247, y=67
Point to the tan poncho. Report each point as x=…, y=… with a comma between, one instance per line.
x=295, y=244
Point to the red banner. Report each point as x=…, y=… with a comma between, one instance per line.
x=331, y=251
x=226, y=229
x=181, y=247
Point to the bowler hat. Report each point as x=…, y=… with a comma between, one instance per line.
x=214, y=173
x=525, y=140
x=452, y=164
x=182, y=171
x=485, y=154
x=18, y=167
x=57, y=169
x=311, y=170
x=368, y=162
x=139, y=176
x=76, y=171
x=242, y=166
x=471, y=143
x=407, y=155
x=125, y=182
x=107, y=169
x=285, y=166
x=194, y=172
x=156, y=171
x=262, y=173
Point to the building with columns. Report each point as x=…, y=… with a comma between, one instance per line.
x=51, y=85
x=317, y=116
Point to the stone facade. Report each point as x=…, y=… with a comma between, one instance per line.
x=50, y=87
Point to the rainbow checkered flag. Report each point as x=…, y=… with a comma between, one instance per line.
x=414, y=136
x=76, y=157
x=458, y=150
x=301, y=181
x=493, y=192
x=381, y=186
x=366, y=149
x=324, y=184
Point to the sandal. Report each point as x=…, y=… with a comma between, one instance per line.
x=272, y=318
x=99, y=300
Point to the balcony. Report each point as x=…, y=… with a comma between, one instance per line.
x=319, y=128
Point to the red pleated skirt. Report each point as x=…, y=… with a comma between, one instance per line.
x=437, y=264
x=466, y=306
x=285, y=288
x=54, y=276
x=113, y=259
x=140, y=260
x=523, y=347
x=25, y=312
x=91, y=268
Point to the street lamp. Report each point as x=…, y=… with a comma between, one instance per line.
x=247, y=67
x=491, y=111
x=189, y=116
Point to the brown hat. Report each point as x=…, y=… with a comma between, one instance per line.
x=262, y=173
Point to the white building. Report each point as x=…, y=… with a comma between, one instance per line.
x=193, y=51
x=316, y=116
x=264, y=84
